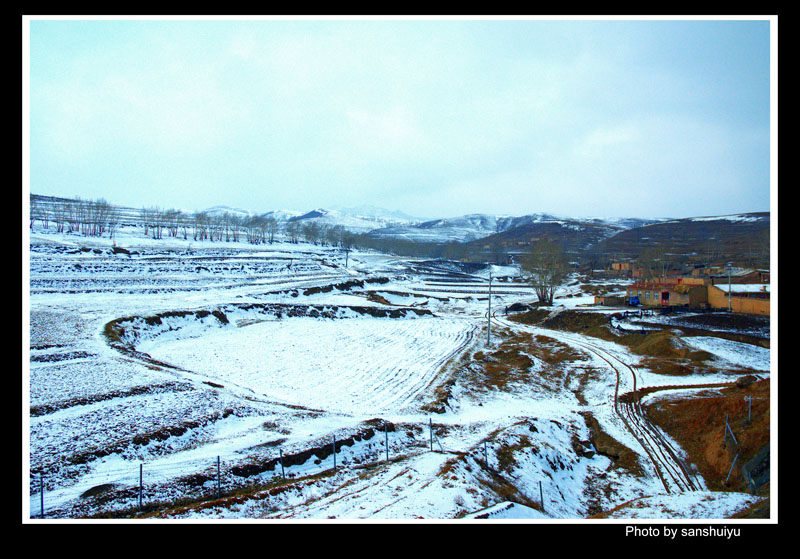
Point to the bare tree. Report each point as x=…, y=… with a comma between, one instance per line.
x=184, y=222
x=235, y=225
x=34, y=208
x=200, y=222
x=39, y=211
x=95, y=216
x=61, y=216
x=547, y=265
x=293, y=230
x=144, y=216
x=311, y=232
x=113, y=220
x=172, y=219
x=75, y=211
x=271, y=227
x=217, y=226
x=154, y=220
x=348, y=238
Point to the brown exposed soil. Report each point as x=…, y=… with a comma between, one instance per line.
x=45, y=409
x=698, y=424
x=320, y=453
x=142, y=438
x=606, y=445
x=661, y=349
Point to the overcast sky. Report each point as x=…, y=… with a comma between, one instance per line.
x=435, y=118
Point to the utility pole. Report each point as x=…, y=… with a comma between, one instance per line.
x=749, y=408
x=489, y=314
x=140, y=486
x=541, y=496
x=729, y=286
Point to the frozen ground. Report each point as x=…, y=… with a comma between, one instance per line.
x=248, y=355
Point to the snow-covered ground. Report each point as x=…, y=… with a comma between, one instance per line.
x=201, y=372
x=333, y=369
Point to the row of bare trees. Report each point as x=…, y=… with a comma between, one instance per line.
x=98, y=218
x=93, y=218
x=230, y=227
x=545, y=263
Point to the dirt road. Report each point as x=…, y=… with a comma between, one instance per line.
x=663, y=456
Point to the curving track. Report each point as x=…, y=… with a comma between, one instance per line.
x=663, y=456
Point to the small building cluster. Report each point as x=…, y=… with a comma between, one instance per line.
x=736, y=290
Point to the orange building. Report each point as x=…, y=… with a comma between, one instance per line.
x=746, y=298
x=700, y=293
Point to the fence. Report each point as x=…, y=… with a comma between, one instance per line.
x=755, y=472
x=216, y=475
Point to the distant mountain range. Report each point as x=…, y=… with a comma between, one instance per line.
x=472, y=227
x=358, y=220
x=744, y=236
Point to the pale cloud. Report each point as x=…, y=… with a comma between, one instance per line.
x=507, y=117
x=390, y=133
x=601, y=141
x=242, y=46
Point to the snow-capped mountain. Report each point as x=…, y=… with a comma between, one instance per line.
x=477, y=226
x=366, y=210
x=355, y=220
x=222, y=210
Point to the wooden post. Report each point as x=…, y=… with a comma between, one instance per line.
x=334, y=452
x=386, y=435
x=749, y=407
x=725, y=441
x=140, y=486
x=219, y=489
x=731, y=470
x=41, y=493
x=430, y=426
x=733, y=437
x=541, y=497
x=283, y=472
x=485, y=454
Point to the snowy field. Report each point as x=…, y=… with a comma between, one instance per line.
x=325, y=363
x=262, y=359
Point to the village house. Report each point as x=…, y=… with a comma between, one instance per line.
x=718, y=274
x=671, y=292
x=707, y=292
x=609, y=300
x=746, y=298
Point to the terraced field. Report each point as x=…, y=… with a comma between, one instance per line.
x=275, y=382
x=325, y=364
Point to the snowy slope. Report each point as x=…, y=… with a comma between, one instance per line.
x=179, y=387
x=353, y=219
x=477, y=226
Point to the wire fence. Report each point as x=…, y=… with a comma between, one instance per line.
x=136, y=487
x=755, y=472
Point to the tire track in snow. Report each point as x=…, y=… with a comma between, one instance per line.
x=349, y=366
x=662, y=455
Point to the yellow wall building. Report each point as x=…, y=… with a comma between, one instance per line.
x=744, y=298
